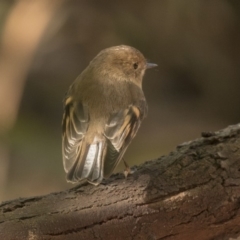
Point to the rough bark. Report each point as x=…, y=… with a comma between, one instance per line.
x=193, y=193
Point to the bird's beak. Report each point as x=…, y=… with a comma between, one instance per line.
x=151, y=65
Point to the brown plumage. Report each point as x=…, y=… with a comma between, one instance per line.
x=103, y=110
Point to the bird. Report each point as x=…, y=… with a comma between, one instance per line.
x=103, y=110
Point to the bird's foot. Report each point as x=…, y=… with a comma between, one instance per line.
x=127, y=169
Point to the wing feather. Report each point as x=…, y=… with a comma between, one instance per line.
x=74, y=126
x=120, y=130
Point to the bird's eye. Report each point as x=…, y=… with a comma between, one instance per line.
x=135, y=65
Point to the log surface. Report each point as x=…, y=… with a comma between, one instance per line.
x=193, y=193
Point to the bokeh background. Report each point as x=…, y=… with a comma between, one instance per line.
x=44, y=45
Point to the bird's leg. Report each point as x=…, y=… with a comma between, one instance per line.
x=127, y=169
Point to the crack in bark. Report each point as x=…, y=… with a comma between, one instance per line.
x=183, y=190
x=167, y=236
x=90, y=226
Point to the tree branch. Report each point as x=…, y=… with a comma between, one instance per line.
x=193, y=193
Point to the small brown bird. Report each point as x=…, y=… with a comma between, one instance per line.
x=103, y=110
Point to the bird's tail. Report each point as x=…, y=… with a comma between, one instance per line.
x=89, y=164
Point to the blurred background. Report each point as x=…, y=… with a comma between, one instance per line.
x=44, y=45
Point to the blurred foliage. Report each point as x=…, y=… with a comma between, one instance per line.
x=196, y=45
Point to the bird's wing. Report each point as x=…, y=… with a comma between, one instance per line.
x=74, y=126
x=120, y=129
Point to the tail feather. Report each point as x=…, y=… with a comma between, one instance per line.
x=89, y=163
